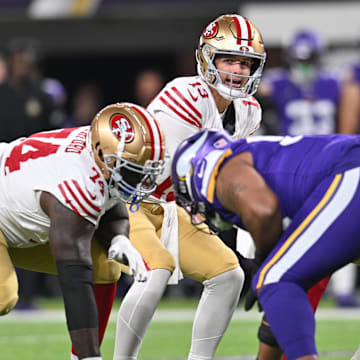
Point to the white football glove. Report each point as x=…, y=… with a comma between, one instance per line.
x=122, y=251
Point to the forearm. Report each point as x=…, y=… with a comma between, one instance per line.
x=266, y=232
x=114, y=222
x=76, y=281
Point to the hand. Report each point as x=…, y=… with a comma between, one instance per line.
x=251, y=299
x=123, y=252
x=250, y=267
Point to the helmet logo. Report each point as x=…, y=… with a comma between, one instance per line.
x=211, y=30
x=121, y=125
x=244, y=48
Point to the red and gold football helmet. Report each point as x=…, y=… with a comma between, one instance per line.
x=232, y=35
x=128, y=147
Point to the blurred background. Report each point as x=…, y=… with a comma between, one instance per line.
x=62, y=60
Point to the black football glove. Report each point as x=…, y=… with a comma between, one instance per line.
x=250, y=267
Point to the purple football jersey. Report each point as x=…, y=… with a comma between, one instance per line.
x=293, y=166
x=305, y=109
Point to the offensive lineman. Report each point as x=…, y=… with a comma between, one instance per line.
x=230, y=60
x=63, y=188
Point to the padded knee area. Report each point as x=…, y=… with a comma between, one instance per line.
x=107, y=272
x=161, y=259
x=265, y=334
x=233, y=279
x=8, y=300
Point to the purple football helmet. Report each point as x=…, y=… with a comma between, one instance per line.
x=305, y=46
x=192, y=174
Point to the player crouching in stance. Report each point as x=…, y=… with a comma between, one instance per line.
x=63, y=206
x=254, y=183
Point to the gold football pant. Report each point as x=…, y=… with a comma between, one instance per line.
x=40, y=259
x=201, y=255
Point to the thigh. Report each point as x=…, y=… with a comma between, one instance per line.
x=202, y=255
x=322, y=237
x=39, y=258
x=8, y=278
x=105, y=271
x=145, y=230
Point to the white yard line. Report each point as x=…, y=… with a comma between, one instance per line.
x=173, y=315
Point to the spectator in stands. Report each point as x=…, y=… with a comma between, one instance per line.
x=148, y=83
x=87, y=101
x=23, y=103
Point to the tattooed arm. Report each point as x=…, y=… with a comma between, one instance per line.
x=70, y=242
x=243, y=191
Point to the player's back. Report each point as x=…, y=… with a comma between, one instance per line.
x=293, y=166
x=56, y=162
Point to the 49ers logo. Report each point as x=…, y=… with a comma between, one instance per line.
x=121, y=125
x=211, y=30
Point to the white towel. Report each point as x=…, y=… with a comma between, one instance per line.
x=170, y=238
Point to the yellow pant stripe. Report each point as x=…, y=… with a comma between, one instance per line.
x=299, y=229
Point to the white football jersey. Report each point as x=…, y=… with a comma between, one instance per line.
x=57, y=162
x=185, y=106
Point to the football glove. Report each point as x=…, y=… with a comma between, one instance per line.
x=122, y=251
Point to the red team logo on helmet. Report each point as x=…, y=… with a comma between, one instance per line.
x=211, y=30
x=121, y=125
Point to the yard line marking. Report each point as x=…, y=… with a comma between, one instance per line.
x=180, y=315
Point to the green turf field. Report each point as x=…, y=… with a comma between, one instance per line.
x=39, y=337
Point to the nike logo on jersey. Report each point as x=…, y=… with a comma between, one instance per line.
x=93, y=197
x=192, y=96
x=202, y=170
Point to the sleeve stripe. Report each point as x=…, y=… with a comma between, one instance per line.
x=78, y=202
x=253, y=131
x=163, y=186
x=247, y=102
x=67, y=200
x=182, y=107
x=83, y=195
x=187, y=102
x=178, y=113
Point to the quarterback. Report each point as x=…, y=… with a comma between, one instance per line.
x=63, y=206
x=254, y=183
x=230, y=59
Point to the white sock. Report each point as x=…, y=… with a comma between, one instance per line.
x=73, y=357
x=136, y=312
x=216, y=307
x=356, y=356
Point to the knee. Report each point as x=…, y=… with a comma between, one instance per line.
x=265, y=334
x=233, y=279
x=8, y=300
x=108, y=272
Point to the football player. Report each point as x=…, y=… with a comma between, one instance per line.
x=63, y=212
x=230, y=59
x=305, y=96
x=254, y=183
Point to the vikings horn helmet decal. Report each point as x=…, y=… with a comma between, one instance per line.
x=232, y=35
x=128, y=147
